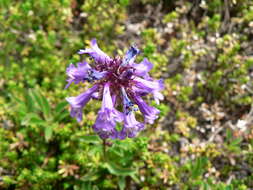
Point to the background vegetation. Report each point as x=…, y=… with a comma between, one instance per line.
x=203, y=138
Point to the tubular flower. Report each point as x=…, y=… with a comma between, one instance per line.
x=119, y=83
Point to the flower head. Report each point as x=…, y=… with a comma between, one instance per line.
x=117, y=81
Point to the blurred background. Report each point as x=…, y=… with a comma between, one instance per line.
x=203, y=139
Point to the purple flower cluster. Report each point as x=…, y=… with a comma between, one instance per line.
x=121, y=84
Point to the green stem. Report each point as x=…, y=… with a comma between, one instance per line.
x=104, y=148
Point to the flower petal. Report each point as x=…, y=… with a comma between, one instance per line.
x=130, y=55
x=150, y=113
x=104, y=128
x=144, y=87
x=149, y=85
x=96, y=53
x=131, y=127
x=157, y=97
x=77, y=74
x=108, y=116
x=143, y=68
x=77, y=103
x=128, y=105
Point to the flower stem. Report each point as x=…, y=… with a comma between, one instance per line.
x=104, y=149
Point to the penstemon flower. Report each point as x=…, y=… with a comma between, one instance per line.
x=121, y=84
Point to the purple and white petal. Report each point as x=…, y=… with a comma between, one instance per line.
x=96, y=53
x=144, y=87
x=95, y=95
x=77, y=103
x=131, y=127
x=143, y=68
x=108, y=107
x=104, y=128
x=77, y=74
x=149, y=85
x=108, y=116
x=157, y=97
x=150, y=113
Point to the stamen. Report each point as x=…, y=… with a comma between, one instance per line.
x=127, y=74
x=94, y=75
x=128, y=104
x=131, y=53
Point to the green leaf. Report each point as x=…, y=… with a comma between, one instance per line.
x=119, y=171
x=91, y=139
x=42, y=102
x=135, y=178
x=122, y=182
x=124, y=2
x=86, y=186
x=29, y=102
x=205, y=186
x=45, y=105
x=198, y=167
x=60, y=107
x=229, y=134
x=8, y=180
x=228, y=187
x=117, y=152
x=61, y=116
x=32, y=118
x=48, y=132
x=90, y=176
x=236, y=142
x=36, y=98
x=16, y=99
